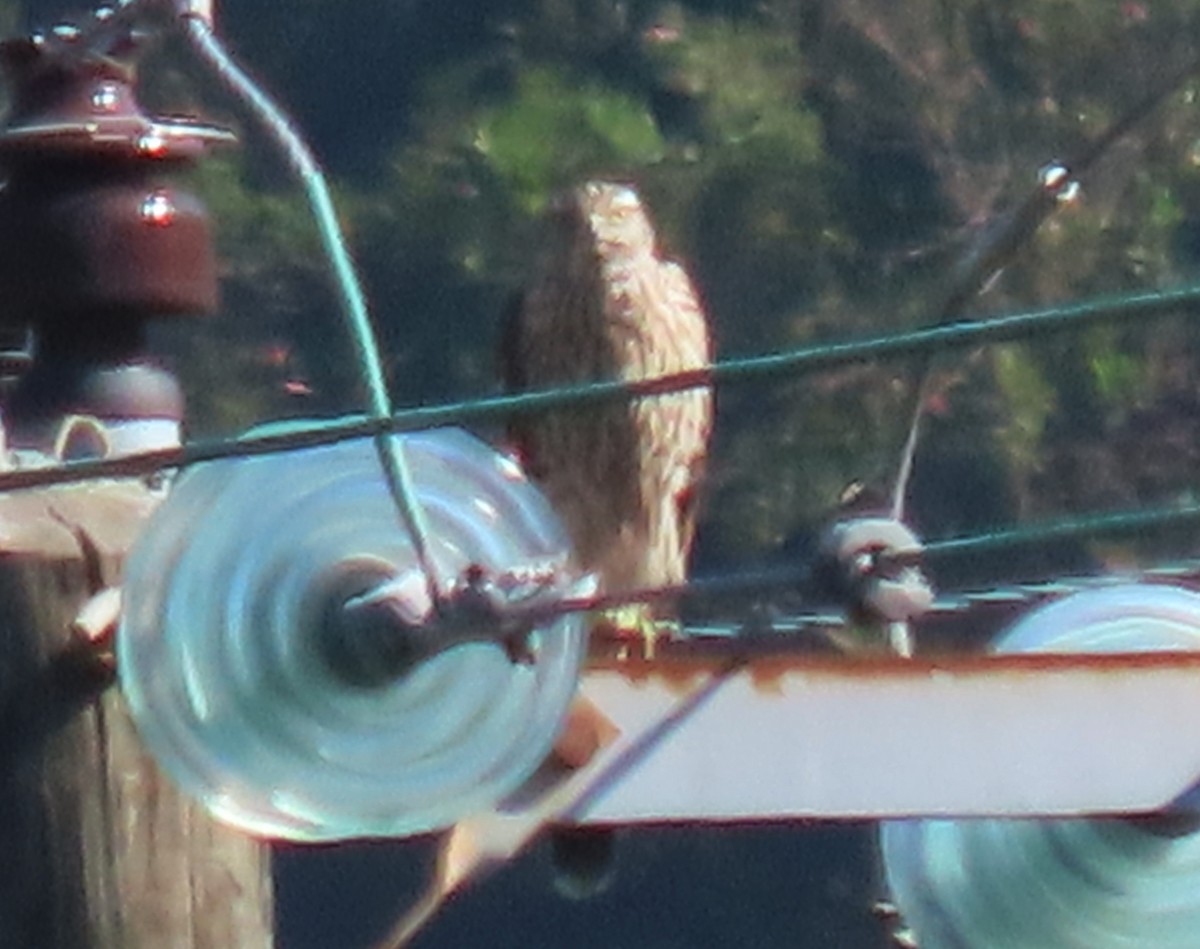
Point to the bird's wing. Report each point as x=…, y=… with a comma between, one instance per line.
x=605, y=305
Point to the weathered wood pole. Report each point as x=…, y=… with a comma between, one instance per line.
x=97, y=849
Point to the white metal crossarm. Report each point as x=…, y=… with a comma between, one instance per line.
x=1013, y=735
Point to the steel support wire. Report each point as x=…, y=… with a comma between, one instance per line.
x=212, y=52
x=816, y=358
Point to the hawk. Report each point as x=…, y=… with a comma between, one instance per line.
x=624, y=476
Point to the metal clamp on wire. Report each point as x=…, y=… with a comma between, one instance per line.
x=380, y=634
x=872, y=564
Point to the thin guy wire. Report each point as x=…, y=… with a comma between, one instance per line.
x=1113, y=522
x=950, y=604
x=391, y=452
x=724, y=372
x=1008, y=234
x=1002, y=241
x=792, y=575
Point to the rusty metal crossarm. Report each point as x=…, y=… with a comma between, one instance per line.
x=791, y=736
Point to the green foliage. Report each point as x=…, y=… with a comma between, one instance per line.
x=1030, y=400
x=1119, y=374
x=747, y=78
x=440, y=257
x=821, y=167
x=557, y=129
x=278, y=327
x=255, y=228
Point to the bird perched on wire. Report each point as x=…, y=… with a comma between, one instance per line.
x=624, y=476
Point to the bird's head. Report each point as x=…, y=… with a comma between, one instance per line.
x=614, y=216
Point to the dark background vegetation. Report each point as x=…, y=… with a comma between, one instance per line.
x=821, y=165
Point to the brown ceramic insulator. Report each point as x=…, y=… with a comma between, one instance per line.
x=90, y=233
x=102, y=245
x=67, y=103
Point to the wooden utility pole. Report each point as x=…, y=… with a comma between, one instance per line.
x=97, y=849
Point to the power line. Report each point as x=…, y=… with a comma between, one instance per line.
x=282, y=437
x=381, y=421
